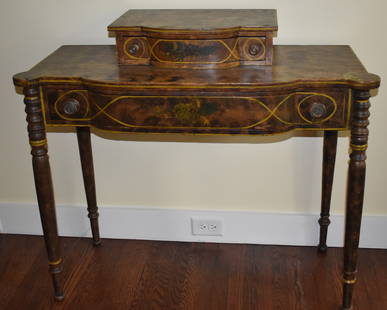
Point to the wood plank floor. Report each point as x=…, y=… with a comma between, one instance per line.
x=147, y=275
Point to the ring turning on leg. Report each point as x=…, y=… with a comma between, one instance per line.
x=355, y=192
x=43, y=185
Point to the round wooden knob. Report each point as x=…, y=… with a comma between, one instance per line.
x=318, y=110
x=71, y=106
x=254, y=49
x=133, y=48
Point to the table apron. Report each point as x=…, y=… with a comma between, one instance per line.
x=202, y=113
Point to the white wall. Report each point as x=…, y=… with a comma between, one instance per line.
x=267, y=177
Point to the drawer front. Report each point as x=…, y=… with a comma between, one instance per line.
x=194, y=52
x=311, y=109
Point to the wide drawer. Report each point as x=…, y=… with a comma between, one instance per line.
x=195, y=38
x=232, y=114
x=197, y=53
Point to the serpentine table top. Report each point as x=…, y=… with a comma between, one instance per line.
x=293, y=65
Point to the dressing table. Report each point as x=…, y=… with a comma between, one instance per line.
x=200, y=72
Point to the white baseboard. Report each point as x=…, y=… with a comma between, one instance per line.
x=175, y=225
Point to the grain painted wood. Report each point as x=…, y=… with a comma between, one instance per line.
x=355, y=192
x=43, y=185
x=195, y=38
x=316, y=65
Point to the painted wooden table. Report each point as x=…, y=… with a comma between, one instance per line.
x=323, y=88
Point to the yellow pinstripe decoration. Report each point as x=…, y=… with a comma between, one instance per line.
x=350, y=281
x=31, y=98
x=271, y=112
x=38, y=143
x=356, y=147
x=57, y=262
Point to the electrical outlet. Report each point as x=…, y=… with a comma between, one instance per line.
x=207, y=227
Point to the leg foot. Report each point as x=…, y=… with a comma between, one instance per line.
x=97, y=243
x=59, y=295
x=322, y=248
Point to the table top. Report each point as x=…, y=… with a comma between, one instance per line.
x=292, y=64
x=196, y=19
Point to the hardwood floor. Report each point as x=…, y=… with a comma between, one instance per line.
x=147, y=275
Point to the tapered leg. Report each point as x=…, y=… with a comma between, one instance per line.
x=355, y=192
x=329, y=158
x=43, y=185
x=86, y=155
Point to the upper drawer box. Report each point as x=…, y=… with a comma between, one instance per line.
x=195, y=38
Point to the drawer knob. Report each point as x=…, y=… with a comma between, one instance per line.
x=71, y=106
x=254, y=49
x=133, y=49
x=318, y=110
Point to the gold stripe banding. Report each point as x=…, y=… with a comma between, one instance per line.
x=57, y=262
x=350, y=281
x=192, y=86
x=38, y=143
x=145, y=29
x=31, y=98
x=355, y=147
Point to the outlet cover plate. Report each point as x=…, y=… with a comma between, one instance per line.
x=207, y=227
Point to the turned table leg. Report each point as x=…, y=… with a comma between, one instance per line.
x=43, y=185
x=86, y=155
x=355, y=192
x=329, y=158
